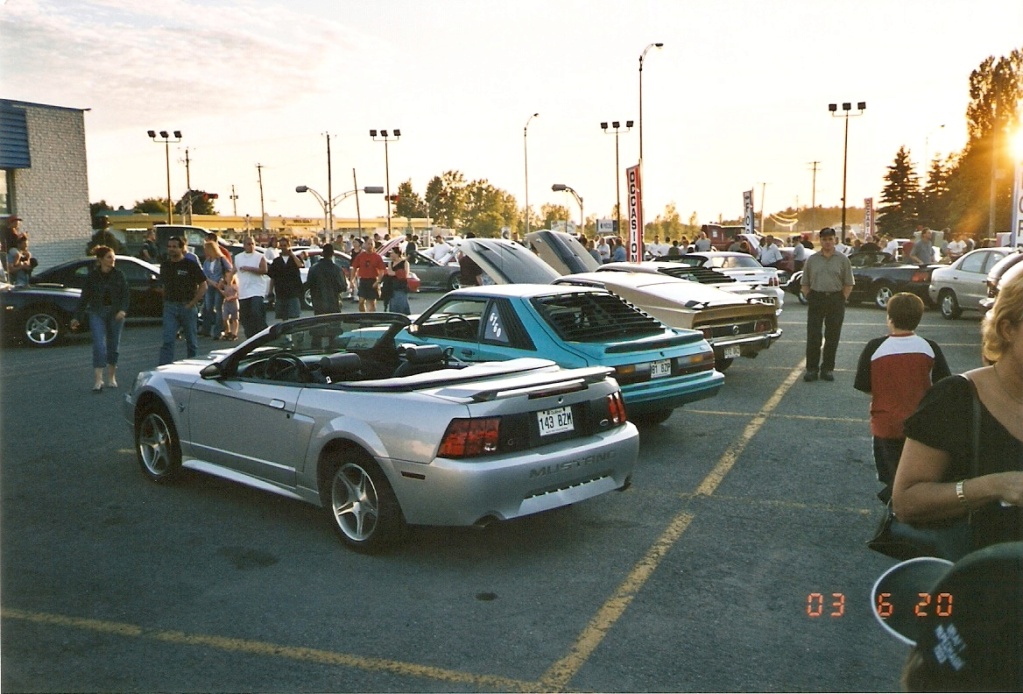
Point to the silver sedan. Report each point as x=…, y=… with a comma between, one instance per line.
x=328, y=410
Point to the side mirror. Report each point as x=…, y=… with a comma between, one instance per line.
x=212, y=372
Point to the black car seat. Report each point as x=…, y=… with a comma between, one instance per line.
x=420, y=359
x=343, y=366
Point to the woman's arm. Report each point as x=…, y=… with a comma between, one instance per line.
x=919, y=495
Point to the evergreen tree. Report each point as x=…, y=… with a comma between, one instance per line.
x=935, y=200
x=897, y=213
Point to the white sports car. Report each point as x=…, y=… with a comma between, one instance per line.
x=330, y=411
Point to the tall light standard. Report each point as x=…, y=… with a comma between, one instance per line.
x=618, y=185
x=166, y=140
x=525, y=159
x=559, y=187
x=387, y=166
x=328, y=207
x=641, y=57
x=846, y=107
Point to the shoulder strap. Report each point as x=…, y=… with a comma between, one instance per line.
x=974, y=428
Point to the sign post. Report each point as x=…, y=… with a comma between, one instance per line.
x=747, y=210
x=635, y=238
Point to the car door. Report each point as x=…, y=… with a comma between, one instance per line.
x=249, y=425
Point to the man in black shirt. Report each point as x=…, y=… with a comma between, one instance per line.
x=184, y=286
x=287, y=282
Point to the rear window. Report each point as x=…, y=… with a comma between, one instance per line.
x=595, y=317
x=703, y=275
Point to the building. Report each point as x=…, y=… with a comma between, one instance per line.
x=45, y=178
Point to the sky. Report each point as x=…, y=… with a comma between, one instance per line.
x=736, y=98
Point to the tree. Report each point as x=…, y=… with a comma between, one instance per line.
x=202, y=203
x=900, y=197
x=97, y=211
x=996, y=90
x=150, y=206
x=409, y=203
x=667, y=225
x=551, y=215
x=935, y=199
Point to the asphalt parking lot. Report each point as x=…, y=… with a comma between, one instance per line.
x=735, y=562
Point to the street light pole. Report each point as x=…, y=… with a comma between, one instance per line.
x=846, y=107
x=559, y=187
x=618, y=185
x=386, y=139
x=329, y=205
x=641, y=57
x=525, y=159
x=165, y=139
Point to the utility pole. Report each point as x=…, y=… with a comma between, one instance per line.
x=188, y=186
x=763, y=194
x=234, y=201
x=358, y=211
x=813, y=196
x=330, y=196
x=262, y=207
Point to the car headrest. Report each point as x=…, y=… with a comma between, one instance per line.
x=423, y=354
x=342, y=362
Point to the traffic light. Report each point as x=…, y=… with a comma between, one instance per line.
x=213, y=196
x=394, y=198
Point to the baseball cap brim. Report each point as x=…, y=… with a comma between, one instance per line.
x=899, y=589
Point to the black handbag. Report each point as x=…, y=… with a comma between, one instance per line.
x=950, y=540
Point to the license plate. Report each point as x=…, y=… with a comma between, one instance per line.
x=733, y=352
x=555, y=421
x=660, y=368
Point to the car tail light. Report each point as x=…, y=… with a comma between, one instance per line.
x=708, y=333
x=773, y=282
x=763, y=326
x=616, y=408
x=921, y=276
x=466, y=438
x=704, y=361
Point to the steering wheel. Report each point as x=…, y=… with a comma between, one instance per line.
x=450, y=327
x=287, y=367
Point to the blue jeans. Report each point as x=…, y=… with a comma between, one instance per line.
x=212, y=313
x=106, y=336
x=398, y=303
x=177, y=316
x=288, y=308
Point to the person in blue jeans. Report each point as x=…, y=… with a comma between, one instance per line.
x=105, y=300
x=215, y=266
x=184, y=285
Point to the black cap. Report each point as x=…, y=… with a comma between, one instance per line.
x=966, y=619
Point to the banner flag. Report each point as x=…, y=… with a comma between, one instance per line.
x=1016, y=230
x=747, y=211
x=868, y=217
x=635, y=239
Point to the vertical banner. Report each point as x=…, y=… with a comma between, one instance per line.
x=747, y=210
x=868, y=218
x=1016, y=231
x=635, y=239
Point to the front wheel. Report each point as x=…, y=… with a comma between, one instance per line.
x=882, y=295
x=156, y=444
x=950, y=309
x=362, y=505
x=454, y=282
x=43, y=327
x=307, y=300
x=722, y=364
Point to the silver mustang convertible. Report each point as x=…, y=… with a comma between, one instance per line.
x=329, y=410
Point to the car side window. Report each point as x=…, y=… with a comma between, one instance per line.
x=974, y=262
x=494, y=329
x=457, y=319
x=81, y=273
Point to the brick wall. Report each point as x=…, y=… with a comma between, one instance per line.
x=53, y=195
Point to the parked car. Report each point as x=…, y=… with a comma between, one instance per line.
x=144, y=288
x=659, y=368
x=879, y=277
x=39, y=314
x=737, y=322
x=316, y=405
x=1006, y=269
x=742, y=267
x=962, y=285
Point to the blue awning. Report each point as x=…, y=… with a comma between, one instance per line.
x=14, y=153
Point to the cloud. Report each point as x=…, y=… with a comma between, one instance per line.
x=173, y=59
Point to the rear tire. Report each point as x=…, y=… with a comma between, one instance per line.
x=722, y=364
x=454, y=282
x=361, y=504
x=156, y=443
x=950, y=309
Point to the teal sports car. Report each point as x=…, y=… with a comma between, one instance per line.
x=658, y=368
